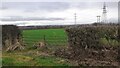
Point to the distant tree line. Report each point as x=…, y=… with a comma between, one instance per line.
x=63, y=26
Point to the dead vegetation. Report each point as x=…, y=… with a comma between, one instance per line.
x=85, y=46
x=11, y=38
x=39, y=45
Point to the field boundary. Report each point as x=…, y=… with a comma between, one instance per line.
x=51, y=40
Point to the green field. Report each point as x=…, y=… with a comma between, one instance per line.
x=38, y=57
x=50, y=36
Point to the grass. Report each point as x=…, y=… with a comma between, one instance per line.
x=7, y=61
x=50, y=61
x=29, y=57
x=50, y=36
x=17, y=59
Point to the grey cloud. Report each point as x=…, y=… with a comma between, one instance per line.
x=113, y=20
x=50, y=7
x=30, y=19
x=93, y=5
x=33, y=6
x=55, y=6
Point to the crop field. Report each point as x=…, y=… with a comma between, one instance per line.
x=38, y=57
x=49, y=36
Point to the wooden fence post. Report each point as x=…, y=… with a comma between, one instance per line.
x=44, y=39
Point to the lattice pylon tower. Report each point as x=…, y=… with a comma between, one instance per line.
x=75, y=15
x=104, y=14
x=98, y=19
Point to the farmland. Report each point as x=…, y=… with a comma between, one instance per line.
x=74, y=46
x=50, y=36
x=38, y=57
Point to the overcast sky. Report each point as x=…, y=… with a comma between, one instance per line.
x=55, y=13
